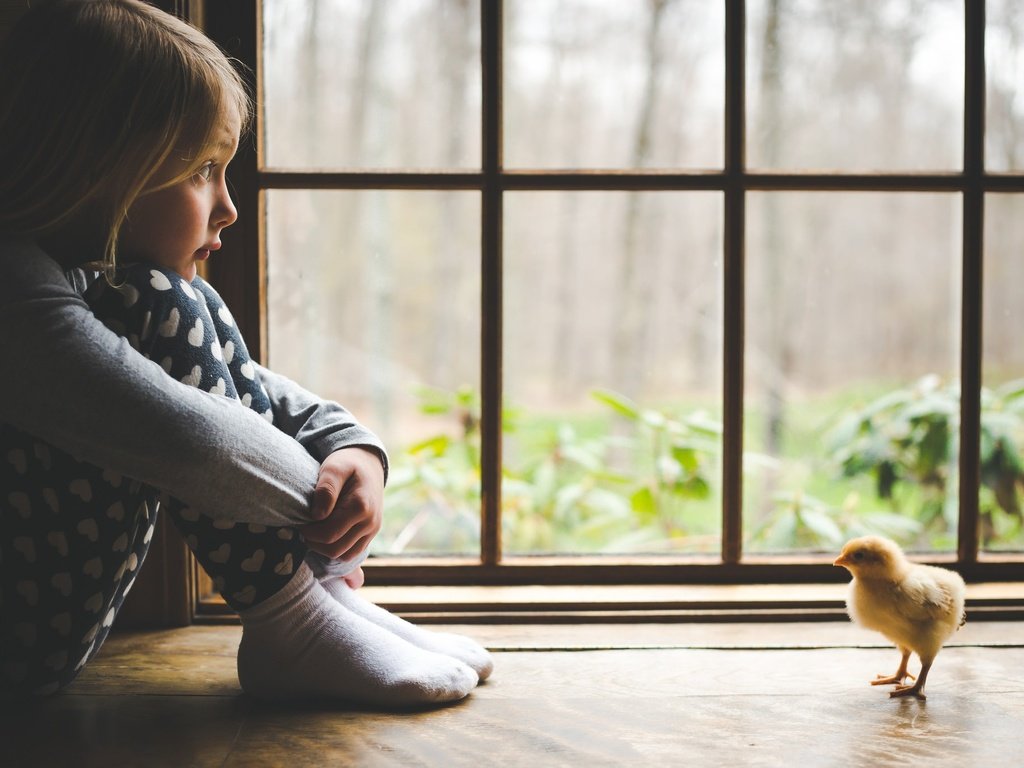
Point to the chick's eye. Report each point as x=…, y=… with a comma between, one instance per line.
x=858, y=555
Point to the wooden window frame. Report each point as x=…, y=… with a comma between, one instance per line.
x=240, y=269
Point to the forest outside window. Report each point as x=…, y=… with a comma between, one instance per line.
x=665, y=290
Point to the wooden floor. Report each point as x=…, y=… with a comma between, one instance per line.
x=590, y=695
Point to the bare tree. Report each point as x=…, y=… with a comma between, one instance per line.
x=775, y=360
x=629, y=339
x=454, y=19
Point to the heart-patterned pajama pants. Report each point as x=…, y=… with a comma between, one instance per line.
x=73, y=536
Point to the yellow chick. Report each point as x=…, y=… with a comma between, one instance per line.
x=918, y=607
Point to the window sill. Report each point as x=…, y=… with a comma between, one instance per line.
x=641, y=604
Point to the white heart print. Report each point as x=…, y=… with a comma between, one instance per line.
x=169, y=327
x=159, y=280
x=195, y=336
x=193, y=378
x=130, y=294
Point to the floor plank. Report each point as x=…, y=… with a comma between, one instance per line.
x=172, y=699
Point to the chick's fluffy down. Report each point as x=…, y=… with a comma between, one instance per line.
x=920, y=611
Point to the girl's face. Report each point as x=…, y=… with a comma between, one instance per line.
x=180, y=225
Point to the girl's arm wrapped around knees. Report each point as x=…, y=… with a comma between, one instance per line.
x=74, y=383
x=349, y=493
x=320, y=426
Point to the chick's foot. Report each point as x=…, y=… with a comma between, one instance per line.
x=909, y=690
x=896, y=679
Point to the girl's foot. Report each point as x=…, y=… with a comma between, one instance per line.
x=462, y=648
x=300, y=643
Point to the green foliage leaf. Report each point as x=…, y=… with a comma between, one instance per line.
x=643, y=503
x=823, y=526
x=437, y=445
x=618, y=403
x=687, y=458
x=692, y=488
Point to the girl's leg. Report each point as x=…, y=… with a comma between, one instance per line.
x=331, y=575
x=296, y=640
x=72, y=538
x=167, y=320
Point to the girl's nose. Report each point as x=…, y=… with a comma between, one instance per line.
x=224, y=214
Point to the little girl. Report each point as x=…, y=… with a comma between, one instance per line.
x=134, y=391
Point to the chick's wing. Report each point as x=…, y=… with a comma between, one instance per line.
x=929, y=594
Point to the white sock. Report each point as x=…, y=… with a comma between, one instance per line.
x=462, y=648
x=300, y=643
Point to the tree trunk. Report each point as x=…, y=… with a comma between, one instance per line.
x=776, y=360
x=629, y=340
x=454, y=32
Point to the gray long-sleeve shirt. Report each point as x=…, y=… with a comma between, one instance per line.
x=69, y=380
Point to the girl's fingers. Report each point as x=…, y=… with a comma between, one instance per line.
x=351, y=543
x=330, y=530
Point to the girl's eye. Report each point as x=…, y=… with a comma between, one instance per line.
x=205, y=172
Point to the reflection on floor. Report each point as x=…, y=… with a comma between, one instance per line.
x=646, y=695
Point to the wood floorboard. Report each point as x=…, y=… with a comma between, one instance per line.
x=171, y=698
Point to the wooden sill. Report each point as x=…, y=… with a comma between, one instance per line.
x=656, y=603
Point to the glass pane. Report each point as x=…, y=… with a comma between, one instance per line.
x=855, y=86
x=852, y=373
x=373, y=300
x=371, y=84
x=1004, y=53
x=610, y=84
x=613, y=350
x=1002, y=404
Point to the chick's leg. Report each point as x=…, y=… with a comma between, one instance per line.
x=917, y=689
x=901, y=673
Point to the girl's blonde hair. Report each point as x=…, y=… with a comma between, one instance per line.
x=94, y=96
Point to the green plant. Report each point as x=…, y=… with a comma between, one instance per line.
x=633, y=478
x=908, y=441
x=433, y=492
x=618, y=486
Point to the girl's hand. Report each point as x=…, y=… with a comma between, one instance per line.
x=347, y=504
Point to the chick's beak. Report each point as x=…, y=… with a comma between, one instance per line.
x=840, y=561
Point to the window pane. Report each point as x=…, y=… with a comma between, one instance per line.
x=1002, y=405
x=611, y=84
x=1004, y=52
x=855, y=86
x=852, y=375
x=371, y=84
x=613, y=355
x=373, y=300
